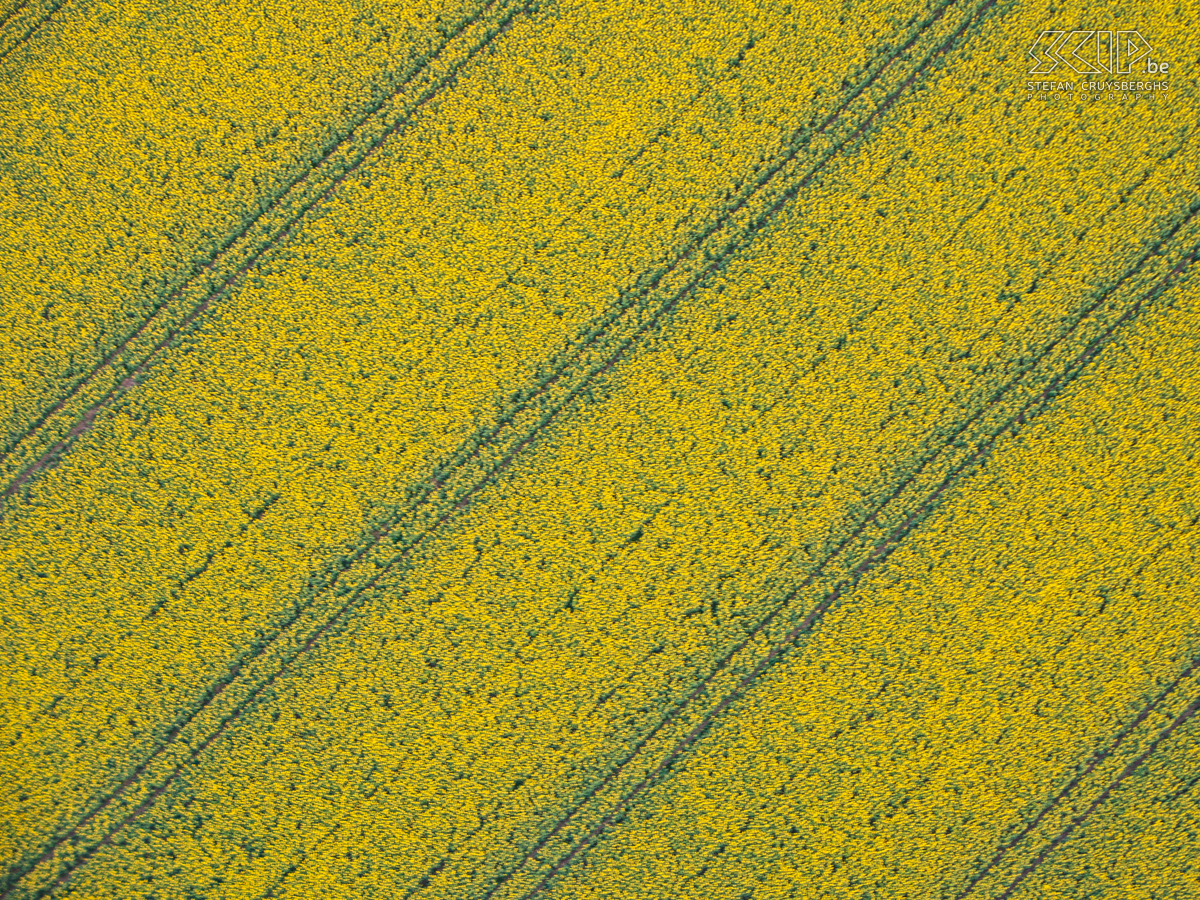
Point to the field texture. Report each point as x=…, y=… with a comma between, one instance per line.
x=716, y=449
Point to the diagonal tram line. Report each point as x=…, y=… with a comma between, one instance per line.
x=323, y=165
x=886, y=104
x=181, y=581
x=860, y=129
x=572, y=358
x=493, y=815
x=21, y=868
x=878, y=554
x=856, y=132
x=131, y=381
x=7, y=17
x=1028, y=411
x=518, y=448
x=39, y=19
x=1062, y=836
x=186, y=578
x=440, y=865
x=1098, y=758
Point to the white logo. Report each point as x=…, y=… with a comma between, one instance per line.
x=1094, y=53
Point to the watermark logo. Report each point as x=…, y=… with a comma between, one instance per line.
x=1095, y=53
x=1114, y=66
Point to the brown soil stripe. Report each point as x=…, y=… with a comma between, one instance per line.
x=1078, y=820
x=878, y=554
x=31, y=29
x=1097, y=759
x=273, y=238
x=469, y=450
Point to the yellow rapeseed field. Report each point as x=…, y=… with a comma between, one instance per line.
x=945, y=724
x=585, y=449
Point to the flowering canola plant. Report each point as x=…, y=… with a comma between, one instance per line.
x=592, y=449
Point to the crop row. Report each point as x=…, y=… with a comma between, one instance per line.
x=1014, y=659
x=200, y=451
x=626, y=547
x=138, y=142
x=1142, y=840
x=20, y=22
